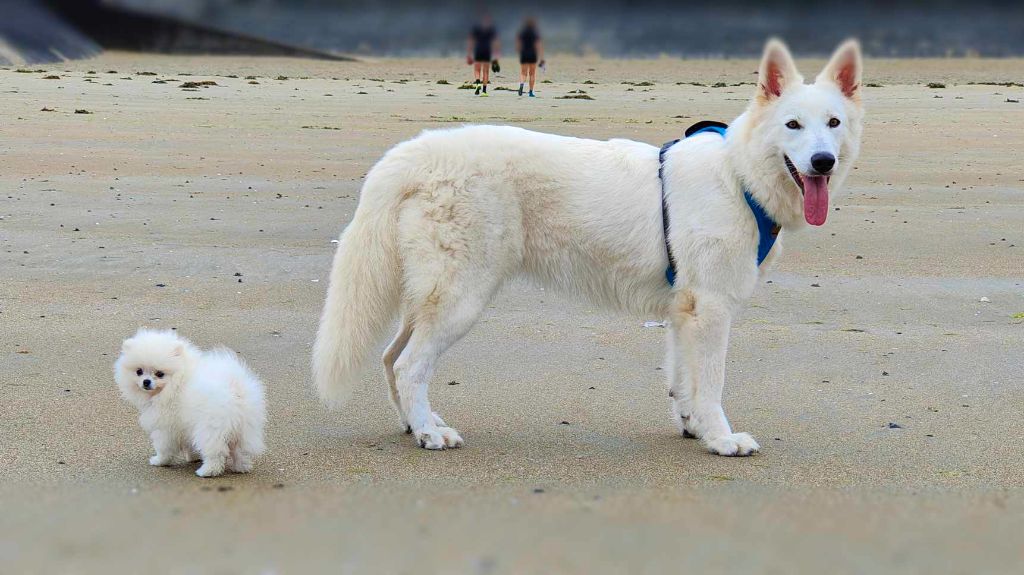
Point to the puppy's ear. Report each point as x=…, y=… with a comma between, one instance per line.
x=844, y=70
x=777, y=72
x=127, y=344
x=179, y=350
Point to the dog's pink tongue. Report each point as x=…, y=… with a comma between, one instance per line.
x=815, y=199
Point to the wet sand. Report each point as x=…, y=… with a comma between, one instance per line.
x=143, y=210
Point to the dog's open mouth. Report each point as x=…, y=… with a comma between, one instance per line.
x=814, y=190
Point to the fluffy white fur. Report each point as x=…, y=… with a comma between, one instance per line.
x=193, y=404
x=446, y=218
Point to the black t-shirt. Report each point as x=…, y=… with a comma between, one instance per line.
x=528, y=37
x=483, y=37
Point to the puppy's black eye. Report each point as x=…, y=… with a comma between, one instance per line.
x=159, y=375
x=834, y=123
x=138, y=371
x=793, y=125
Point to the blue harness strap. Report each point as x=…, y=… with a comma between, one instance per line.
x=767, y=228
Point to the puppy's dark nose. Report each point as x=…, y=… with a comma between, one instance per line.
x=822, y=162
x=147, y=384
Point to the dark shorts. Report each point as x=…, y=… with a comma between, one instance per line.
x=528, y=57
x=482, y=55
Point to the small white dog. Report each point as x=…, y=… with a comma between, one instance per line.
x=194, y=404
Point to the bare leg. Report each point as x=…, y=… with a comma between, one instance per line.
x=477, y=74
x=706, y=338
x=532, y=72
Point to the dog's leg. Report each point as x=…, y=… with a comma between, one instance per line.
x=391, y=355
x=706, y=338
x=438, y=326
x=168, y=450
x=241, y=460
x=680, y=384
x=211, y=440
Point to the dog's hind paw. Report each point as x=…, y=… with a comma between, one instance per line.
x=210, y=470
x=732, y=445
x=161, y=461
x=438, y=438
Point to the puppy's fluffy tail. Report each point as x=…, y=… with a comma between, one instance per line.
x=364, y=290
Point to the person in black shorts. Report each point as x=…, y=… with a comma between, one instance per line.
x=531, y=52
x=482, y=47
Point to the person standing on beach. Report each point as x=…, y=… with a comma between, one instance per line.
x=482, y=47
x=531, y=52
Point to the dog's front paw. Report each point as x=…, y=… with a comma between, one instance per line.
x=160, y=461
x=438, y=438
x=732, y=445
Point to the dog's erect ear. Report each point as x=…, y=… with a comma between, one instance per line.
x=844, y=69
x=777, y=71
x=179, y=350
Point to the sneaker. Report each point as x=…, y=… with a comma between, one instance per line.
x=531, y=94
x=478, y=90
x=520, y=89
x=485, y=88
x=477, y=81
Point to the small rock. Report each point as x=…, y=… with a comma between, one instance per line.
x=895, y=425
x=984, y=300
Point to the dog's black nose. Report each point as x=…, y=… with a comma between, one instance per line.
x=147, y=384
x=822, y=162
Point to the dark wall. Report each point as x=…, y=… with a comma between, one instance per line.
x=623, y=28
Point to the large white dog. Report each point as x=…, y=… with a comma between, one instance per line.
x=446, y=218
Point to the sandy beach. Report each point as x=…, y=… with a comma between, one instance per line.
x=880, y=366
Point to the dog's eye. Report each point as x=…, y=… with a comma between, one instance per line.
x=159, y=375
x=834, y=123
x=793, y=125
x=138, y=371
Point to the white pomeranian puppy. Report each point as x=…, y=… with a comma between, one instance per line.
x=194, y=404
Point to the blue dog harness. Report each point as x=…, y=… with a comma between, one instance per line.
x=767, y=228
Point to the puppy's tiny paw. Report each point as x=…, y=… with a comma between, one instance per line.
x=241, y=466
x=733, y=444
x=207, y=470
x=439, y=438
x=159, y=461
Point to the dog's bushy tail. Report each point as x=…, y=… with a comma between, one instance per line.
x=363, y=294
